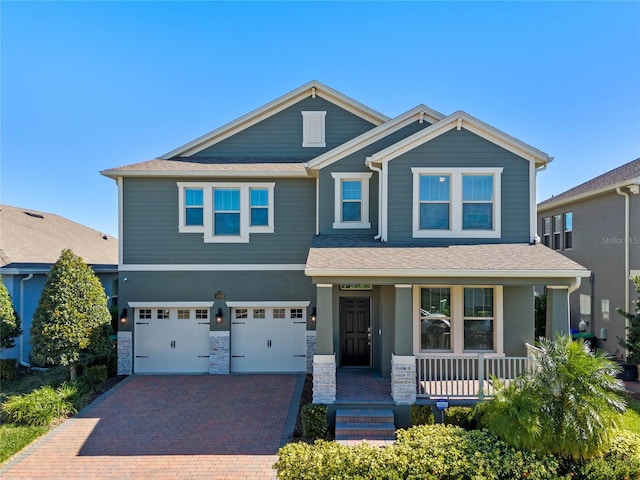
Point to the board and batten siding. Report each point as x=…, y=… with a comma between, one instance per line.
x=460, y=149
x=355, y=162
x=150, y=227
x=281, y=134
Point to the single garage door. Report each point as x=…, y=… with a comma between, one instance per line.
x=171, y=340
x=268, y=339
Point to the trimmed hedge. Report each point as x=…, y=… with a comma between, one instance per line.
x=315, y=424
x=442, y=452
x=421, y=415
x=459, y=416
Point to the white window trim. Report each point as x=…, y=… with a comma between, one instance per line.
x=364, y=178
x=456, y=316
x=245, y=210
x=455, y=222
x=307, y=117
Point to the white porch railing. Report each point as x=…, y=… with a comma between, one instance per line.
x=465, y=377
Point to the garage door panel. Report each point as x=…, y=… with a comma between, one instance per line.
x=263, y=341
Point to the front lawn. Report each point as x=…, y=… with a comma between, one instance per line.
x=631, y=418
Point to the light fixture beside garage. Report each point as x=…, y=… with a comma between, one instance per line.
x=219, y=316
x=123, y=317
x=313, y=315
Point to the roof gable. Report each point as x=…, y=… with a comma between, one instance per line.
x=313, y=88
x=460, y=120
x=419, y=113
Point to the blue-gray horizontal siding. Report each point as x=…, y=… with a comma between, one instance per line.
x=460, y=149
x=252, y=286
x=281, y=134
x=355, y=162
x=150, y=227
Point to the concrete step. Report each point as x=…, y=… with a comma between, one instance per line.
x=365, y=424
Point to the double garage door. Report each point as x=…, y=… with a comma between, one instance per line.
x=176, y=339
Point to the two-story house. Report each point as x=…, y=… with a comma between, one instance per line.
x=597, y=223
x=316, y=234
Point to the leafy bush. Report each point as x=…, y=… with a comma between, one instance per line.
x=315, y=424
x=421, y=415
x=94, y=376
x=632, y=340
x=42, y=406
x=621, y=462
x=7, y=368
x=10, y=326
x=463, y=417
x=430, y=452
x=569, y=405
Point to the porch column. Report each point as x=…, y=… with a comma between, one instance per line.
x=324, y=361
x=557, y=311
x=403, y=362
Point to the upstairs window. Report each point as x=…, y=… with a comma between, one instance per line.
x=568, y=230
x=313, y=129
x=456, y=202
x=225, y=212
x=351, y=208
x=546, y=231
x=557, y=232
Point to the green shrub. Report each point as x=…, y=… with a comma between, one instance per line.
x=7, y=368
x=94, y=376
x=421, y=415
x=430, y=452
x=621, y=462
x=42, y=406
x=315, y=424
x=463, y=417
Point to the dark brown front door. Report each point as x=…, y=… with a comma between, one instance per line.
x=355, y=332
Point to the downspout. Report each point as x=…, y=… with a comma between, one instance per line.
x=21, y=338
x=626, y=252
x=369, y=164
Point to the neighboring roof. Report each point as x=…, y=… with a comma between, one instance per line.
x=341, y=256
x=36, y=238
x=172, y=168
x=624, y=175
x=310, y=89
x=418, y=113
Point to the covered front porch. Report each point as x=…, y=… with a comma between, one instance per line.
x=434, y=322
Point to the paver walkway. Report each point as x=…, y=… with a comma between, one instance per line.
x=170, y=427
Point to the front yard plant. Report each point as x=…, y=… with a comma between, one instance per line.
x=632, y=340
x=315, y=424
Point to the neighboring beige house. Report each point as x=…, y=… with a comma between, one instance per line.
x=597, y=224
x=30, y=243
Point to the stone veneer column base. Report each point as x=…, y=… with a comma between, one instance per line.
x=125, y=353
x=219, y=353
x=324, y=378
x=403, y=379
x=311, y=349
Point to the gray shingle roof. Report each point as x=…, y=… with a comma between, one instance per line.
x=32, y=237
x=202, y=168
x=612, y=178
x=339, y=255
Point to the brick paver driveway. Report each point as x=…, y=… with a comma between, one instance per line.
x=170, y=427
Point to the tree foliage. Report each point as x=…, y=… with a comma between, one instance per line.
x=568, y=405
x=9, y=320
x=71, y=324
x=632, y=342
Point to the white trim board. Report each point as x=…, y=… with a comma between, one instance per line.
x=267, y=304
x=220, y=267
x=199, y=304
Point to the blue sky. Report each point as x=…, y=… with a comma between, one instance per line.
x=91, y=85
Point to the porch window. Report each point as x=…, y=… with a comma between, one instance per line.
x=435, y=319
x=478, y=319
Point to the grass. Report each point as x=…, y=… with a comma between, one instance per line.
x=631, y=418
x=14, y=438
